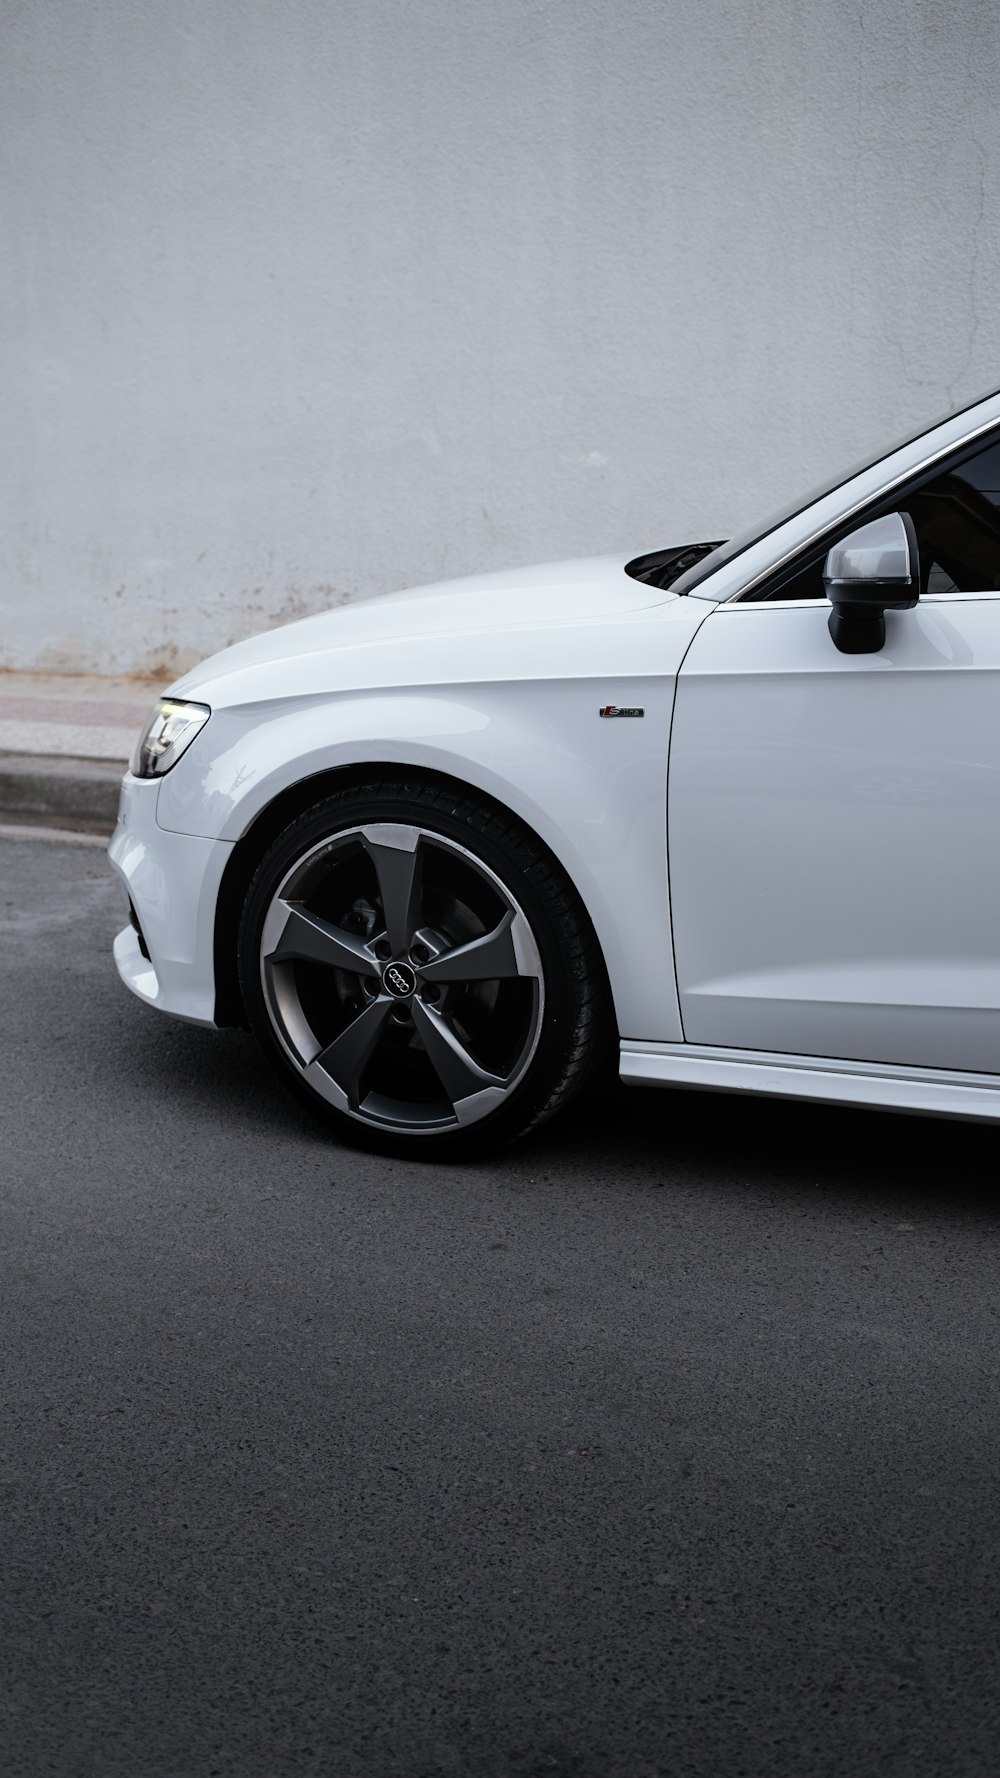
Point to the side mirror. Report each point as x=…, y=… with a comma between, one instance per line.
x=873, y=570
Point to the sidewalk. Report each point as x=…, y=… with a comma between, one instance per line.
x=64, y=743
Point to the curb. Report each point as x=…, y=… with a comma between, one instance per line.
x=76, y=793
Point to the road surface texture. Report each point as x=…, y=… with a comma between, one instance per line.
x=664, y=1444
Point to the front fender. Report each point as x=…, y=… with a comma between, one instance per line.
x=593, y=791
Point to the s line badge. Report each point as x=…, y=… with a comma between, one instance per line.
x=618, y=710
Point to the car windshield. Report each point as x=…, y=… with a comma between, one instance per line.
x=725, y=552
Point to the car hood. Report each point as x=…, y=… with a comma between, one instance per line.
x=468, y=628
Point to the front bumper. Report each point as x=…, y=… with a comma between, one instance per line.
x=172, y=881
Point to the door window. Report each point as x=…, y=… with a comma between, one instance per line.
x=956, y=511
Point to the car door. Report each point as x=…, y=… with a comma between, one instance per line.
x=834, y=821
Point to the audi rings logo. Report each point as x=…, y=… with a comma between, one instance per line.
x=399, y=980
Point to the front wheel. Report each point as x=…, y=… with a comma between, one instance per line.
x=420, y=971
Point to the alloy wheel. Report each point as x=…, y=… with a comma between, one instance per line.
x=402, y=979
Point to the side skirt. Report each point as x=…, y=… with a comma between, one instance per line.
x=927, y=1091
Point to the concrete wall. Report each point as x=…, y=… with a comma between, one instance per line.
x=307, y=299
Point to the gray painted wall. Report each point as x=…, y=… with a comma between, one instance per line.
x=308, y=299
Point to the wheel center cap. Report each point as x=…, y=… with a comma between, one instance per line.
x=399, y=980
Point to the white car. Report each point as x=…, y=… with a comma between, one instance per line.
x=727, y=813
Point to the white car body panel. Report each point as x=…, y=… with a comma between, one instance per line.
x=809, y=912
x=379, y=642
x=918, y=1091
x=834, y=821
x=175, y=882
x=348, y=688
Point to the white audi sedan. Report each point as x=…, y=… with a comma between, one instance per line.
x=727, y=813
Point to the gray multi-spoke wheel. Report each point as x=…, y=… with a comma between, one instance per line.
x=414, y=973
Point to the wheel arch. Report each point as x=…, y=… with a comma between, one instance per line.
x=293, y=801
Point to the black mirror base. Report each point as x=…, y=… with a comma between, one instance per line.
x=857, y=632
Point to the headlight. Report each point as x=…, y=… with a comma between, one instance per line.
x=168, y=733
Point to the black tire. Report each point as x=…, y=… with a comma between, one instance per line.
x=320, y=977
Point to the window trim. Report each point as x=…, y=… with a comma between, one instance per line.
x=823, y=604
x=729, y=579
x=871, y=507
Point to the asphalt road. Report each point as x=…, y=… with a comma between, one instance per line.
x=664, y=1444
